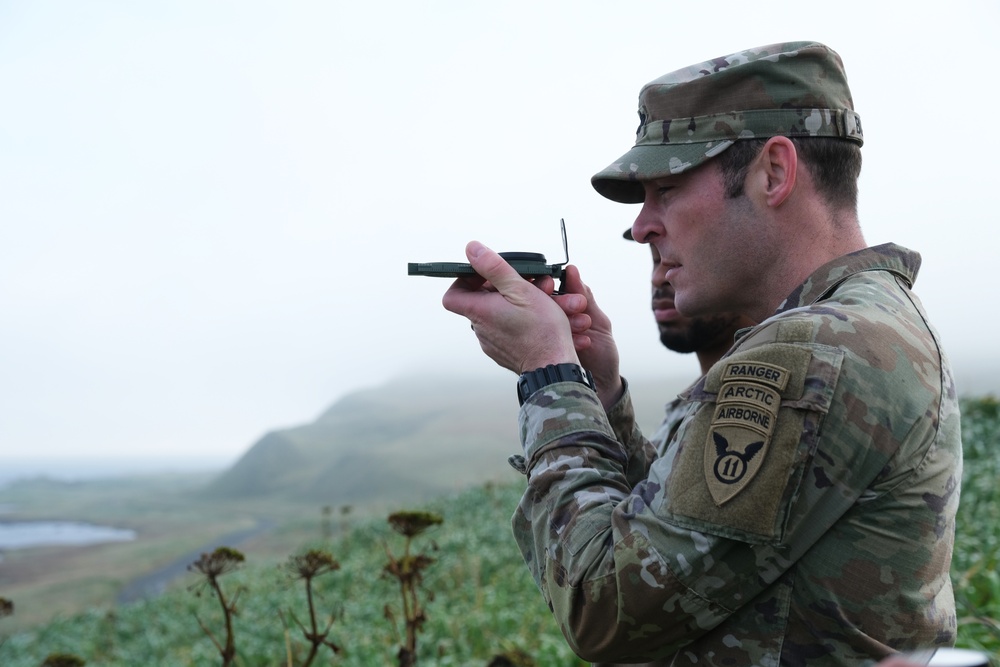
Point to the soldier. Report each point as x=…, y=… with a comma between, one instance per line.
x=803, y=513
x=708, y=337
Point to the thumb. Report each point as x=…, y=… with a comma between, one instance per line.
x=491, y=266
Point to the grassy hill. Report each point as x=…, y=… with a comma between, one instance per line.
x=411, y=439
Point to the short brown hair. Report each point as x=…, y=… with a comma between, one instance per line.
x=835, y=164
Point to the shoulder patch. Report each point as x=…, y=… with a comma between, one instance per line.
x=742, y=426
x=755, y=371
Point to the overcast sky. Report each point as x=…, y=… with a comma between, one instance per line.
x=207, y=207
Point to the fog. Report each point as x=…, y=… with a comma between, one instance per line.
x=208, y=207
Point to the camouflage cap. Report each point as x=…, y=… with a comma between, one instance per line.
x=794, y=89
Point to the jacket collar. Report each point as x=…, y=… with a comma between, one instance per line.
x=890, y=257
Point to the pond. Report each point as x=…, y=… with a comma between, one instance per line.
x=27, y=534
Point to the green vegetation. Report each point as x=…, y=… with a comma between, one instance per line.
x=478, y=601
x=976, y=563
x=485, y=603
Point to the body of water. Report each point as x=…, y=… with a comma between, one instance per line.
x=27, y=534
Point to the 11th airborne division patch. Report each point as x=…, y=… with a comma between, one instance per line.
x=742, y=426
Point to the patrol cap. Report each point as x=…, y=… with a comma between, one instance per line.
x=793, y=89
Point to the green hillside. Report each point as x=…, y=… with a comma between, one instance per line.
x=411, y=439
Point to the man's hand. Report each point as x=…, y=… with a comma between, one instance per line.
x=593, y=340
x=518, y=323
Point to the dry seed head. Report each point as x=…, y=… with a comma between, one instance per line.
x=411, y=524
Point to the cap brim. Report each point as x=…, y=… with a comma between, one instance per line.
x=621, y=181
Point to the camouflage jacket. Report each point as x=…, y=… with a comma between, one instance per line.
x=674, y=412
x=803, y=513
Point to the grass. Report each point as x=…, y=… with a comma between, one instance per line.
x=483, y=601
x=977, y=536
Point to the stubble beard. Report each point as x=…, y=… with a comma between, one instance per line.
x=699, y=334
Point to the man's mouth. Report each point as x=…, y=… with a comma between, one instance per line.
x=665, y=314
x=663, y=305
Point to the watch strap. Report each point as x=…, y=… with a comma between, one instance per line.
x=531, y=381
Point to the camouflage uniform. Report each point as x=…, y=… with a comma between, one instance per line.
x=803, y=513
x=674, y=413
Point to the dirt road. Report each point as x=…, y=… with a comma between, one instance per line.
x=152, y=584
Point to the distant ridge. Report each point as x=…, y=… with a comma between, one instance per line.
x=409, y=439
x=419, y=436
x=413, y=438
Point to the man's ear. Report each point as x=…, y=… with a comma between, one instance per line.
x=778, y=162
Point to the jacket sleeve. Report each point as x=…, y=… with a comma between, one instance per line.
x=639, y=451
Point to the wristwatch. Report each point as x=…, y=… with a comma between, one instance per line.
x=532, y=381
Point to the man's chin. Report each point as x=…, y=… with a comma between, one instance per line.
x=677, y=341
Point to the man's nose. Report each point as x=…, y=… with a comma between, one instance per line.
x=646, y=225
